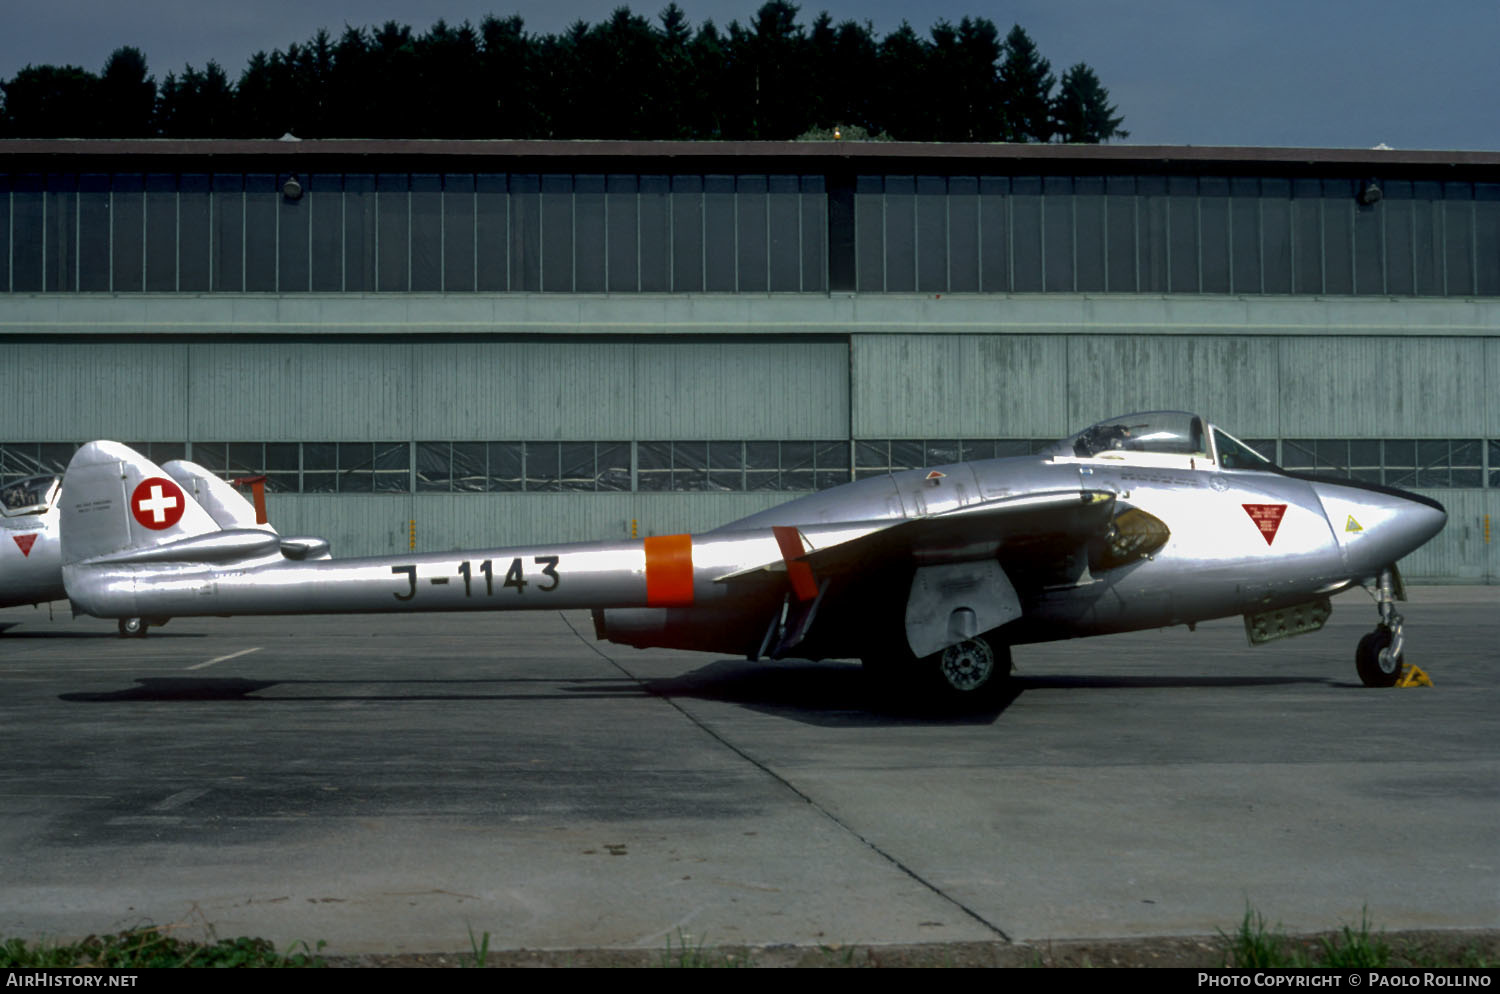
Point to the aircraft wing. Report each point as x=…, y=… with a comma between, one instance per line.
x=1037, y=522
x=1040, y=523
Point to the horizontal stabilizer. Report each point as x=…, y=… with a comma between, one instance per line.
x=218, y=547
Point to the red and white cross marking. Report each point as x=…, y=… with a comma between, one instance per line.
x=157, y=503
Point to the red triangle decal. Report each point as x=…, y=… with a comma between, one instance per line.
x=25, y=542
x=1267, y=518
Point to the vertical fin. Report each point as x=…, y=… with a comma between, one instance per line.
x=114, y=499
x=222, y=502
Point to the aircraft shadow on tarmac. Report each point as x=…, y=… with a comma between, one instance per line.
x=95, y=635
x=832, y=693
x=827, y=694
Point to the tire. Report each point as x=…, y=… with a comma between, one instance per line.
x=971, y=674
x=132, y=628
x=1373, y=670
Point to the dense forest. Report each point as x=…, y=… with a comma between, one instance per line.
x=625, y=78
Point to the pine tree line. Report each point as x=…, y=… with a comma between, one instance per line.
x=624, y=78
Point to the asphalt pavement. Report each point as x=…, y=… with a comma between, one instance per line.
x=396, y=784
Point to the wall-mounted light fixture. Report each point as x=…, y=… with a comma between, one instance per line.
x=291, y=189
x=1369, y=193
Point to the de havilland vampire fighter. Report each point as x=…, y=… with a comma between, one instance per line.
x=1143, y=521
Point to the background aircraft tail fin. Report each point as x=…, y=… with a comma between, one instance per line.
x=226, y=505
x=117, y=504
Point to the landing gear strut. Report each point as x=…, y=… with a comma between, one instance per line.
x=1379, y=655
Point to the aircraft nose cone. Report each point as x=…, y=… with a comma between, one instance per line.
x=1378, y=525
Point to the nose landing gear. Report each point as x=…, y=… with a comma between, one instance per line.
x=1379, y=656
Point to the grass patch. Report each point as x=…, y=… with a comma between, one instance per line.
x=153, y=948
x=479, y=950
x=687, y=954
x=1257, y=945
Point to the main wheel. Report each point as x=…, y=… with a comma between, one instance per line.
x=974, y=671
x=1376, y=665
x=132, y=628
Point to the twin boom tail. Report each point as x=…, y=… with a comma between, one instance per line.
x=136, y=544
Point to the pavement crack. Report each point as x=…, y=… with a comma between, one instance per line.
x=798, y=792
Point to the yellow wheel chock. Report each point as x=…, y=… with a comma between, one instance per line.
x=1412, y=675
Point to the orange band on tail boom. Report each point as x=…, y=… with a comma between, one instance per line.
x=669, y=570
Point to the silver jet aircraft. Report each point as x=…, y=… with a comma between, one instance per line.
x=929, y=575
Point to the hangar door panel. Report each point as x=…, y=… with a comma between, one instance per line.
x=752, y=390
x=945, y=386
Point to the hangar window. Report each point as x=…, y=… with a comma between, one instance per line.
x=516, y=467
x=740, y=465
x=18, y=459
x=278, y=462
x=1396, y=462
x=356, y=467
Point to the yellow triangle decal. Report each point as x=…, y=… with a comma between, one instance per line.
x=1352, y=525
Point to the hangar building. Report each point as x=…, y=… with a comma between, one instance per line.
x=460, y=344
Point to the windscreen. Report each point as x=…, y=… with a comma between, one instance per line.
x=1234, y=454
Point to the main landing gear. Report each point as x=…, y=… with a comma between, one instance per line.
x=972, y=673
x=136, y=628
x=1379, y=658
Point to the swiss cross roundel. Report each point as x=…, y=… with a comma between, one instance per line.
x=157, y=503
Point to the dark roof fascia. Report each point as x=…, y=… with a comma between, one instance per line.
x=372, y=155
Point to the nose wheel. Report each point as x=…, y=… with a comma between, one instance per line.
x=1377, y=663
x=1379, y=657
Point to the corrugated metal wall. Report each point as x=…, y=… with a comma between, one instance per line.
x=1255, y=386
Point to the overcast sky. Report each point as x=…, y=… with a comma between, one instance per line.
x=1311, y=73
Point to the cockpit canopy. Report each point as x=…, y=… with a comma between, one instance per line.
x=32, y=495
x=1159, y=438
x=1176, y=432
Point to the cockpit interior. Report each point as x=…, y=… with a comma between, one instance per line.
x=31, y=495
